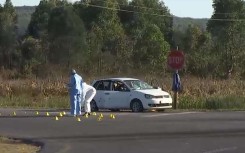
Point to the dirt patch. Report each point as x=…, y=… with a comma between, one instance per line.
x=16, y=146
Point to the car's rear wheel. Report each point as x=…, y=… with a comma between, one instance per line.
x=136, y=106
x=94, y=107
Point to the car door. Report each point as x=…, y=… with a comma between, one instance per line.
x=102, y=96
x=119, y=96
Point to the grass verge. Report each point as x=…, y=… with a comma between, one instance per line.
x=197, y=93
x=228, y=102
x=16, y=146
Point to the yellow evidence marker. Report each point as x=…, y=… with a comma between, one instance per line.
x=112, y=116
x=37, y=113
x=61, y=114
x=86, y=115
x=47, y=113
x=78, y=119
x=101, y=115
x=99, y=119
x=64, y=113
x=56, y=118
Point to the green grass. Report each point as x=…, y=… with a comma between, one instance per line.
x=231, y=102
x=198, y=94
x=25, y=101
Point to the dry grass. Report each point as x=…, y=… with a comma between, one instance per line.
x=13, y=146
x=197, y=93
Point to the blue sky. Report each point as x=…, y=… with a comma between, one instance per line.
x=181, y=8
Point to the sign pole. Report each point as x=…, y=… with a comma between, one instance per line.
x=175, y=99
x=176, y=91
x=176, y=62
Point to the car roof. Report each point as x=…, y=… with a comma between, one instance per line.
x=117, y=79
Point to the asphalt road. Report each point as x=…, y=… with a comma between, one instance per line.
x=151, y=132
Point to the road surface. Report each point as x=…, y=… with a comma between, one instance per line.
x=150, y=132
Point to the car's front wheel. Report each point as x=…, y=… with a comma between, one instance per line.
x=136, y=106
x=94, y=107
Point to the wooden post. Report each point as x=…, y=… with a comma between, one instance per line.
x=175, y=98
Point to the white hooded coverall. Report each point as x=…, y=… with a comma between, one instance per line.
x=87, y=96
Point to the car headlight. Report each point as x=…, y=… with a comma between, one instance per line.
x=148, y=96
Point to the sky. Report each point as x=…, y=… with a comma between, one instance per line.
x=181, y=8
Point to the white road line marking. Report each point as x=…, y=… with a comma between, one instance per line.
x=221, y=150
x=168, y=114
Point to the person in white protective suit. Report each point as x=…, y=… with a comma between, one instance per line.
x=75, y=91
x=88, y=94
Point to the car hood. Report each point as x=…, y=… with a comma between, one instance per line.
x=153, y=92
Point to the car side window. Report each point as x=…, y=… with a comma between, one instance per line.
x=107, y=85
x=119, y=86
x=96, y=84
x=103, y=85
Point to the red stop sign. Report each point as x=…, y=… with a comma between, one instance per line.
x=176, y=59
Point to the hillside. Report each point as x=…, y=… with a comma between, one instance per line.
x=180, y=24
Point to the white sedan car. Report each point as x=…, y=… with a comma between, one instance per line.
x=128, y=93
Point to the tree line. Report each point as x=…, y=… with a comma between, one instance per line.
x=121, y=37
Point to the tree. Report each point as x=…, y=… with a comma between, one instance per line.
x=151, y=49
x=228, y=32
x=32, y=55
x=68, y=40
x=88, y=12
x=8, y=33
x=39, y=19
x=149, y=25
x=148, y=12
x=192, y=39
x=106, y=37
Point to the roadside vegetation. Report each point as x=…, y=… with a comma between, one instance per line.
x=196, y=93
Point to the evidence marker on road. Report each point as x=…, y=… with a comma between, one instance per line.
x=78, y=119
x=86, y=115
x=112, y=116
x=99, y=119
x=56, y=118
x=61, y=115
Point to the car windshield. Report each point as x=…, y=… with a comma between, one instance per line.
x=138, y=85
